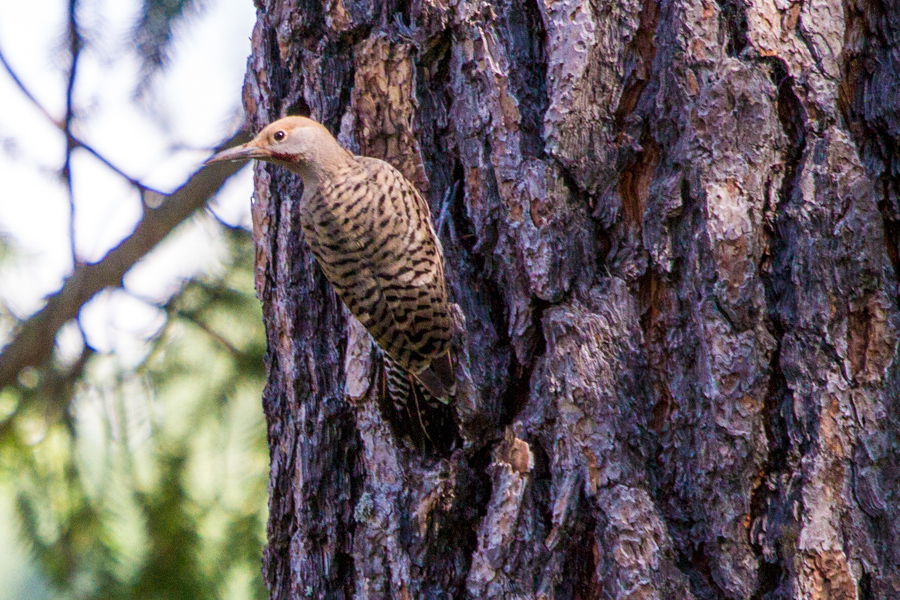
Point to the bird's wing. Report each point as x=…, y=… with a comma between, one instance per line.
x=411, y=275
x=385, y=263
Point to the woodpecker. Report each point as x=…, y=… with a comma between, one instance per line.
x=372, y=235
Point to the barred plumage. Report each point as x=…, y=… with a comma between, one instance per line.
x=371, y=233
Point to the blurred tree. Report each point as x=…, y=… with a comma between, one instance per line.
x=138, y=480
x=145, y=482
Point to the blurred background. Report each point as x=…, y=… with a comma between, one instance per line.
x=133, y=463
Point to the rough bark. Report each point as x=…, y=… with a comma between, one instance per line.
x=672, y=231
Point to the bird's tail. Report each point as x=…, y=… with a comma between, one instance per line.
x=398, y=386
x=439, y=377
x=417, y=414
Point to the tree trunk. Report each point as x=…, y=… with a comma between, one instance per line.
x=672, y=230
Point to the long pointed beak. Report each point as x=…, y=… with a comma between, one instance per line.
x=243, y=152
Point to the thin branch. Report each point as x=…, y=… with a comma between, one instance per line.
x=25, y=91
x=70, y=137
x=222, y=222
x=209, y=331
x=74, y=54
x=75, y=46
x=177, y=312
x=33, y=341
x=75, y=43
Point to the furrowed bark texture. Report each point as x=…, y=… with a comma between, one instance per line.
x=672, y=231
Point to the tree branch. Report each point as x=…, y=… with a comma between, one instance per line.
x=71, y=140
x=32, y=343
x=75, y=45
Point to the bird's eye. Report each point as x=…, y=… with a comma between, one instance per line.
x=278, y=136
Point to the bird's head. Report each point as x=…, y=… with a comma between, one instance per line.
x=298, y=143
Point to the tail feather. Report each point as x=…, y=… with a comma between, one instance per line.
x=398, y=386
x=439, y=378
x=417, y=416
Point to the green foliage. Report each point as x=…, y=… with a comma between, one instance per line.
x=8, y=255
x=154, y=31
x=150, y=481
x=7, y=246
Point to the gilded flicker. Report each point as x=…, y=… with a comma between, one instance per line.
x=371, y=233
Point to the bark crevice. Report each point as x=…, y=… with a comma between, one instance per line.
x=733, y=22
x=641, y=53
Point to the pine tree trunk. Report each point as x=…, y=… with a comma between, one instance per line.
x=672, y=229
